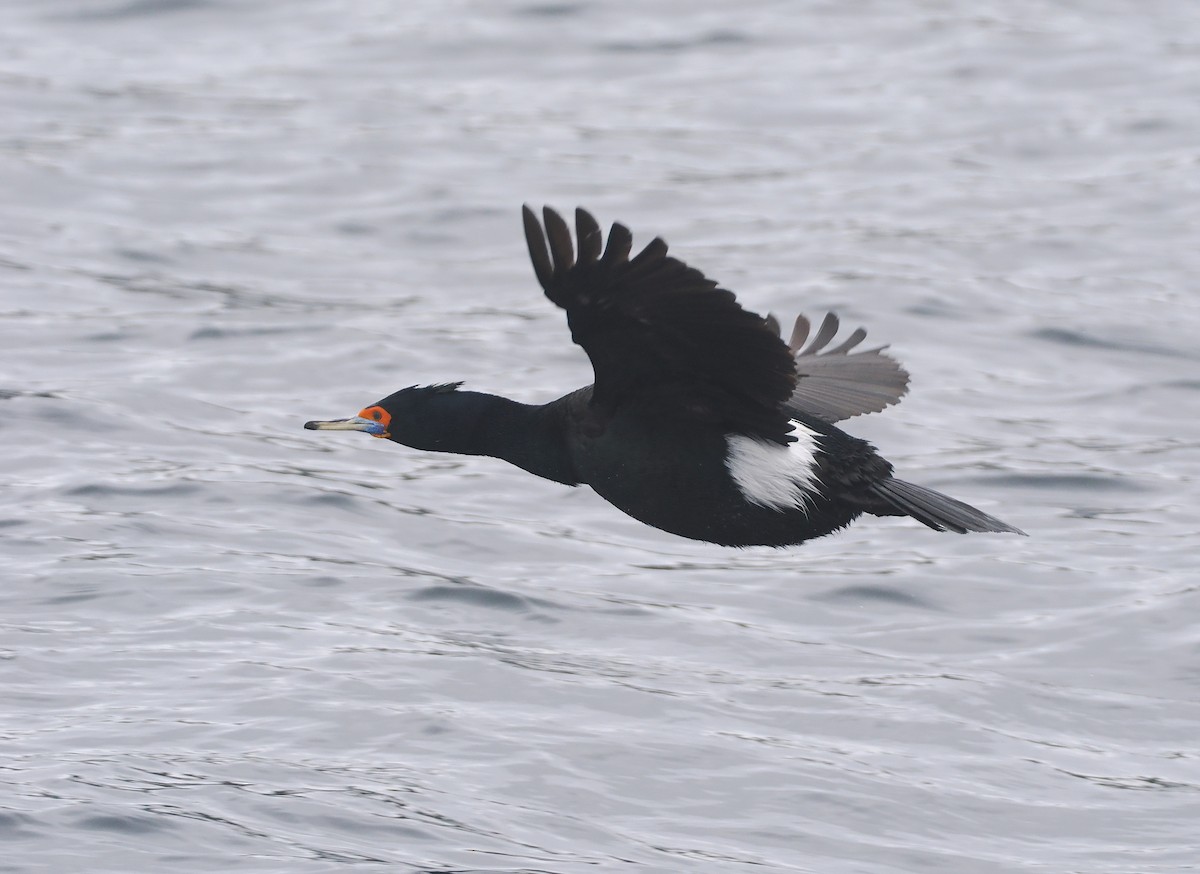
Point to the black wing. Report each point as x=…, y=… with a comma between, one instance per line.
x=653, y=325
x=835, y=384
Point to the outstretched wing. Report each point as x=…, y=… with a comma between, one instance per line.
x=835, y=384
x=652, y=325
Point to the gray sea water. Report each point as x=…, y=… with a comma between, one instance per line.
x=228, y=644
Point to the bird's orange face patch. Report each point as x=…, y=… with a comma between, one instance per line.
x=380, y=415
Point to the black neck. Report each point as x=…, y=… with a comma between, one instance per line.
x=531, y=437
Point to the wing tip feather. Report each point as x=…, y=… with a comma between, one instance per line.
x=535, y=240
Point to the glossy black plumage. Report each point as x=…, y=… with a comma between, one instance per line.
x=700, y=421
x=653, y=321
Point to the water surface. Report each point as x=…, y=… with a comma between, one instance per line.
x=230, y=644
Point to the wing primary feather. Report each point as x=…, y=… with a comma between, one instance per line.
x=858, y=335
x=538, y=254
x=825, y=333
x=649, y=257
x=620, y=241
x=591, y=238
x=559, y=235
x=799, y=334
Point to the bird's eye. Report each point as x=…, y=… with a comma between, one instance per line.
x=376, y=414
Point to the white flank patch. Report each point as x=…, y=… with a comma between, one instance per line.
x=775, y=476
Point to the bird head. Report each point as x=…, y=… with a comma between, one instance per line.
x=412, y=416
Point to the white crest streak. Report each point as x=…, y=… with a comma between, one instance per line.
x=775, y=476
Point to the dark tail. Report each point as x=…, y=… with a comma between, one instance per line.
x=938, y=511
